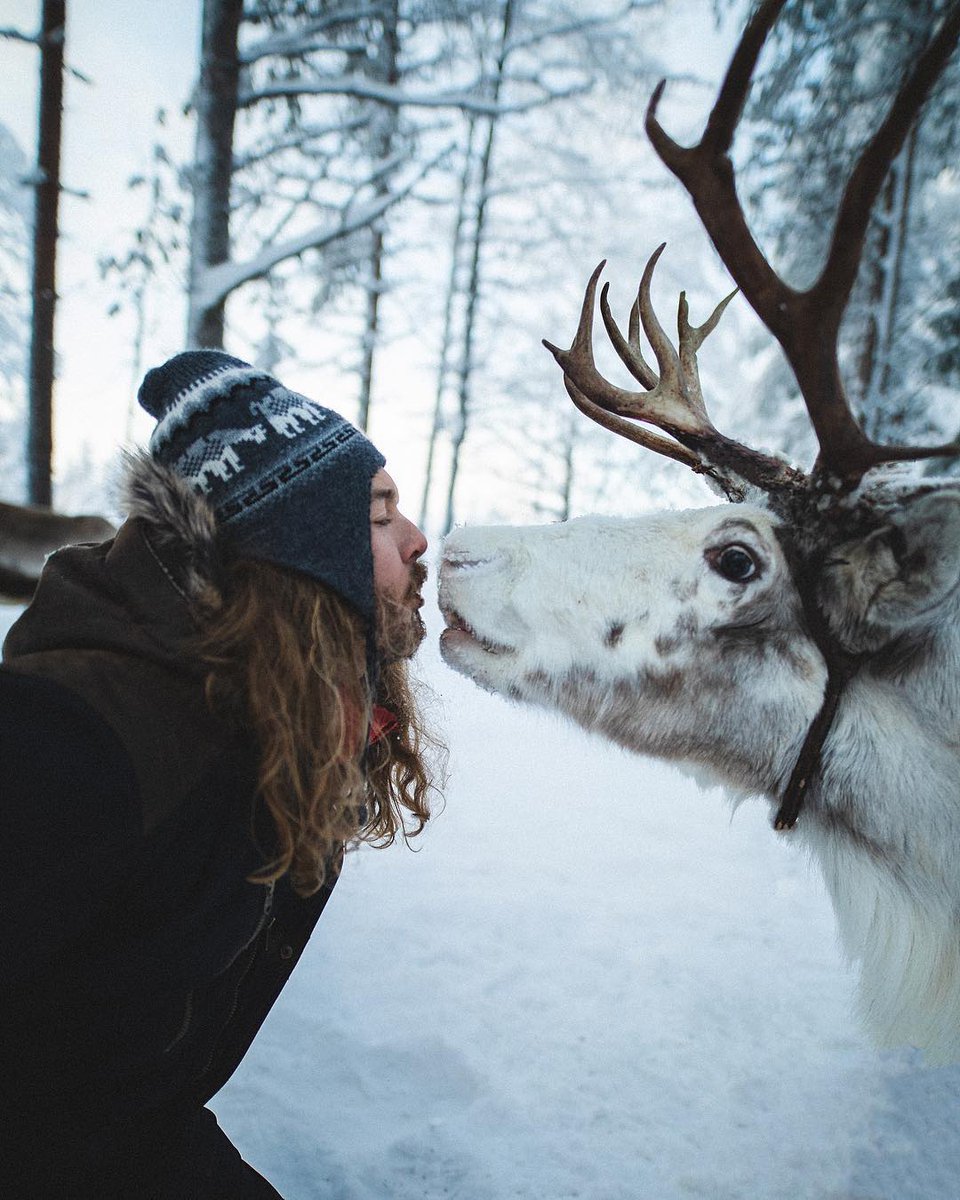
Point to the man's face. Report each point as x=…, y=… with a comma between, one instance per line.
x=398, y=575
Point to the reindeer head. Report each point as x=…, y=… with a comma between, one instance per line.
x=845, y=563
x=684, y=634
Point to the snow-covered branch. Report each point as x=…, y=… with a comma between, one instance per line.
x=310, y=36
x=300, y=139
x=468, y=100
x=215, y=283
x=580, y=24
x=17, y=35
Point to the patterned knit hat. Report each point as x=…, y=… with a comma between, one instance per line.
x=289, y=481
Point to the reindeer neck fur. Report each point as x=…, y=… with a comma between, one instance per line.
x=883, y=823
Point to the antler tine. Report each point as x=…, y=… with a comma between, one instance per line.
x=725, y=116
x=628, y=347
x=692, y=338
x=665, y=404
x=667, y=358
x=579, y=366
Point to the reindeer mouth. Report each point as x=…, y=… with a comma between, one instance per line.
x=460, y=633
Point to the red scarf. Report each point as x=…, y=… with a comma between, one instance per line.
x=382, y=722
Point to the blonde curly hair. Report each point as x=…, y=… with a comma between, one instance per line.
x=288, y=657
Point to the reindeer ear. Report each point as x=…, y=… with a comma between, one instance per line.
x=877, y=587
x=920, y=553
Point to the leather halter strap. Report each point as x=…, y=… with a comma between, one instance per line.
x=841, y=667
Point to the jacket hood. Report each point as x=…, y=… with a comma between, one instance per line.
x=114, y=624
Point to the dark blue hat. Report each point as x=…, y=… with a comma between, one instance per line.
x=289, y=481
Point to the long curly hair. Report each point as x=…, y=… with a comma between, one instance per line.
x=288, y=658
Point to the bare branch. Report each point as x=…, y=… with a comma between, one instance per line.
x=470, y=100
x=17, y=35
x=217, y=282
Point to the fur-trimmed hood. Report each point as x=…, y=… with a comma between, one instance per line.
x=143, y=591
x=179, y=524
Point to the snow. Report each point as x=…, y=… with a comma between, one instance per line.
x=589, y=981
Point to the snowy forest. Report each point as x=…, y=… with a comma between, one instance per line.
x=388, y=204
x=392, y=204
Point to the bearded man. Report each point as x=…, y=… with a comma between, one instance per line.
x=196, y=719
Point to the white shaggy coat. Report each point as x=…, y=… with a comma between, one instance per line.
x=631, y=628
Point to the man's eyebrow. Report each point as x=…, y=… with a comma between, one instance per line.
x=383, y=493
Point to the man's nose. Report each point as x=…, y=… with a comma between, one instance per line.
x=417, y=545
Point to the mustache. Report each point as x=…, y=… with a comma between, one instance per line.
x=418, y=577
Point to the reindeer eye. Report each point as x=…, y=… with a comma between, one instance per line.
x=735, y=563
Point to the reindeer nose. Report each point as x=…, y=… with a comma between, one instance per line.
x=471, y=548
x=462, y=560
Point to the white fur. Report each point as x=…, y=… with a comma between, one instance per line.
x=628, y=627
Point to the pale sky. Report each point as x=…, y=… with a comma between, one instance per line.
x=139, y=55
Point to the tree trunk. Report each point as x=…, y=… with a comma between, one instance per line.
x=895, y=287
x=388, y=71
x=446, y=340
x=875, y=376
x=569, y=443
x=212, y=173
x=45, y=232
x=473, y=287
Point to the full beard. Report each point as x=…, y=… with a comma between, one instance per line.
x=400, y=629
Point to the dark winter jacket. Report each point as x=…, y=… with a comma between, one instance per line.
x=139, y=962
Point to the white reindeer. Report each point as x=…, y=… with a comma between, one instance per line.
x=804, y=644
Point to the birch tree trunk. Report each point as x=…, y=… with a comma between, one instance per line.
x=875, y=374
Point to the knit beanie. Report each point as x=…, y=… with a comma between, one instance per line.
x=288, y=480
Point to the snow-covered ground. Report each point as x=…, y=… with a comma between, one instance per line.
x=588, y=982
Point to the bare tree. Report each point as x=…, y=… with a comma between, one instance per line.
x=465, y=368
x=15, y=213
x=569, y=51
x=45, y=234
x=384, y=131
x=325, y=160
x=215, y=104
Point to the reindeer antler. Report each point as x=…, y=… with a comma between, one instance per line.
x=672, y=401
x=806, y=324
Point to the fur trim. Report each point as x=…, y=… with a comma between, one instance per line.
x=181, y=526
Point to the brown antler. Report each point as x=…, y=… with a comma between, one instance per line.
x=806, y=324
x=672, y=402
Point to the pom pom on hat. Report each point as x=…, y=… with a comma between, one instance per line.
x=288, y=479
